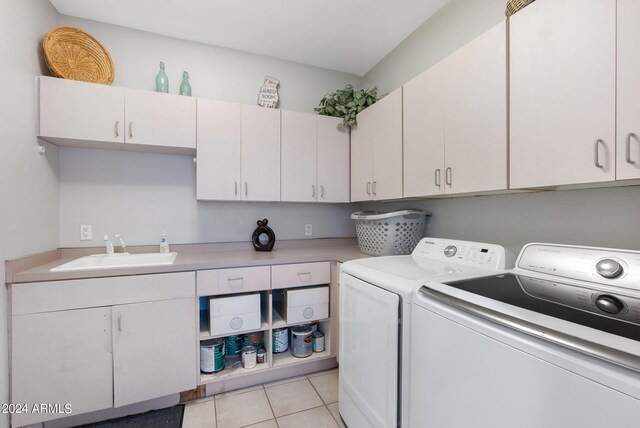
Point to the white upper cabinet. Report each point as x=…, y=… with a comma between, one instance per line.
x=376, y=151
x=79, y=111
x=563, y=92
x=159, y=119
x=455, y=121
x=299, y=156
x=333, y=160
x=315, y=158
x=260, y=153
x=424, y=137
x=219, y=147
x=81, y=114
x=476, y=115
x=628, y=137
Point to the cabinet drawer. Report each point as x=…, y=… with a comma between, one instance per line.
x=85, y=293
x=300, y=275
x=236, y=313
x=232, y=281
x=305, y=304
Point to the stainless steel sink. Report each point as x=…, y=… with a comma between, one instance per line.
x=115, y=261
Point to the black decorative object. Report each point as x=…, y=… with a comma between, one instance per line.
x=263, y=237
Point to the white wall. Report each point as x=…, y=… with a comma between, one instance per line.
x=28, y=181
x=140, y=195
x=597, y=217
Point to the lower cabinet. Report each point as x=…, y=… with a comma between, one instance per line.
x=75, y=359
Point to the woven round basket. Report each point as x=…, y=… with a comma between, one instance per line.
x=514, y=6
x=71, y=53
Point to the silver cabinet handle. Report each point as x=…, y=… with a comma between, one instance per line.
x=369, y=188
x=437, y=177
x=238, y=281
x=596, y=154
x=130, y=129
x=448, y=176
x=322, y=191
x=235, y=184
x=117, y=128
x=630, y=135
x=313, y=191
x=119, y=322
x=373, y=188
x=246, y=188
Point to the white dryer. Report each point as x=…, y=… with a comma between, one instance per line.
x=375, y=314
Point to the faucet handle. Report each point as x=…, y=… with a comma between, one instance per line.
x=108, y=244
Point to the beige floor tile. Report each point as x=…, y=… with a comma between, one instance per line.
x=266, y=424
x=316, y=418
x=327, y=387
x=239, y=410
x=322, y=373
x=292, y=397
x=283, y=381
x=238, y=391
x=200, y=415
x=333, y=408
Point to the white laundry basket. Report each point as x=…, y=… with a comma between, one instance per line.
x=386, y=234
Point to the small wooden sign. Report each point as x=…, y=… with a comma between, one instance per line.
x=268, y=95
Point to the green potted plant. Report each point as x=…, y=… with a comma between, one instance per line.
x=347, y=103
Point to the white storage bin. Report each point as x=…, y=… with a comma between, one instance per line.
x=305, y=304
x=229, y=315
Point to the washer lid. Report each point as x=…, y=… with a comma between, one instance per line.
x=590, y=307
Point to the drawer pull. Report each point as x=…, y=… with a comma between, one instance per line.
x=236, y=278
x=628, y=152
x=596, y=154
x=304, y=273
x=119, y=322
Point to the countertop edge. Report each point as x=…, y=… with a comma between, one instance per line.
x=36, y=268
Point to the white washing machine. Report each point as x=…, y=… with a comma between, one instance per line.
x=375, y=314
x=553, y=343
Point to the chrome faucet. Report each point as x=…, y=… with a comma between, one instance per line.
x=108, y=244
x=122, y=243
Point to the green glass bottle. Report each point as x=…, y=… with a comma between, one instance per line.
x=185, y=87
x=162, y=82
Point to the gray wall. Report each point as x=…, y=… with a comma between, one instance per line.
x=597, y=217
x=28, y=181
x=140, y=195
x=453, y=26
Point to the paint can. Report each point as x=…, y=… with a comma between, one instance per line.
x=314, y=326
x=261, y=356
x=233, y=345
x=280, y=340
x=249, y=359
x=212, y=356
x=253, y=339
x=318, y=341
x=301, y=338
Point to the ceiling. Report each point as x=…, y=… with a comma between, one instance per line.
x=348, y=35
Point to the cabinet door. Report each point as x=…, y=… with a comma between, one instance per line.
x=260, y=154
x=386, y=122
x=423, y=133
x=628, y=138
x=80, y=111
x=361, y=158
x=476, y=115
x=159, y=119
x=333, y=160
x=218, y=155
x=61, y=358
x=562, y=93
x=154, y=350
x=299, y=156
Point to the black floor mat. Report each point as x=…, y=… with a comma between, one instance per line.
x=171, y=417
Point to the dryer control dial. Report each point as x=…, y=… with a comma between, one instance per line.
x=608, y=268
x=450, y=250
x=609, y=304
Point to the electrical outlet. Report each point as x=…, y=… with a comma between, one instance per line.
x=86, y=233
x=308, y=229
